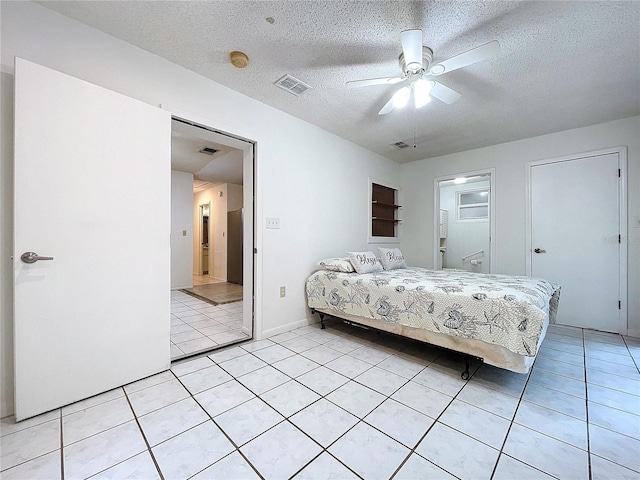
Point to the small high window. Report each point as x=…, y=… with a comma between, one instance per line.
x=473, y=205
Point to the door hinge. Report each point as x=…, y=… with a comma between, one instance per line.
x=619, y=173
x=255, y=250
x=619, y=305
x=619, y=238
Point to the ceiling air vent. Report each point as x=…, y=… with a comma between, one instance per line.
x=208, y=150
x=399, y=145
x=292, y=85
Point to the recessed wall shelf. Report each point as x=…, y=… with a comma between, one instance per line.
x=384, y=211
x=386, y=204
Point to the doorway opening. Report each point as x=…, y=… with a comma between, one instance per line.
x=463, y=222
x=212, y=284
x=203, y=250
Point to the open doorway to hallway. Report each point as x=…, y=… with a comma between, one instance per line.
x=209, y=307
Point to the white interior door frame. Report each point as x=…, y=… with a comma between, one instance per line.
x=622, y=217
x=436, y=212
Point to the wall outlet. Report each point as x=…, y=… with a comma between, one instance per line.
x=184, y=233
x=273, y=222
x=283, y=291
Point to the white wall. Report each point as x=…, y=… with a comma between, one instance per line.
x=315, y=182
x=181, y=220
x=234, y=197
x=509, y=160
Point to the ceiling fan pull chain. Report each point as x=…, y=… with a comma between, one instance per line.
x=415, y=115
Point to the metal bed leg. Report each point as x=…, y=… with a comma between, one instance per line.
x=465, y=375
x=322, y=325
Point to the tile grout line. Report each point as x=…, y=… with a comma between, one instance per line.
x=191, y=308
x=236, y=447
x=586, y=405
x=287, y=419
x=359, y=420
x=144, y=436
x=412, y=450
x=511, y=422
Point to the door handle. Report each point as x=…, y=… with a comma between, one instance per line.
x=539, y=250
x=32, y=257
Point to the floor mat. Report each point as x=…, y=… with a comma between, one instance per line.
x=216, y=293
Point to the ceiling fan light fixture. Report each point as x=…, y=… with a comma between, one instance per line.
x=421, y=90
x=401, y=97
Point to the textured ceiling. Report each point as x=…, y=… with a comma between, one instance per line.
x=562, y=64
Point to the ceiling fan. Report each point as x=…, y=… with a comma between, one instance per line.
x=418, y=72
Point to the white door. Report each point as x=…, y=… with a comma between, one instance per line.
x=93, y=191
x=574, y=237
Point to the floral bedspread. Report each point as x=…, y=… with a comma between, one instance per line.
x=498, y=309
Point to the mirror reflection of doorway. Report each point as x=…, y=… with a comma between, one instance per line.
x=209, y=173
x=463, y=222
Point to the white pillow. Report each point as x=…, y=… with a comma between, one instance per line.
x=391, y=258
x=336, y=265
x=365, y=262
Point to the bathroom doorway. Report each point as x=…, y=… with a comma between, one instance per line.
x=463, y=222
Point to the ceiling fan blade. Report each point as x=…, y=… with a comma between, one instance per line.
x=444, y=93
x=412, y=49
x=373, y=81
x=474, y=55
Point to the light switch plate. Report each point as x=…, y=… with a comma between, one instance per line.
x=273, y=222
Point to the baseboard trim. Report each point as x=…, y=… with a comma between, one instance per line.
x=633, y=333
x=288, y=327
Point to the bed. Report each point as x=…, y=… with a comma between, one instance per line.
x=501, y=319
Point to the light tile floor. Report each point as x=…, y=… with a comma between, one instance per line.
x=348, y=403
x=205, y=279
x=198, y=326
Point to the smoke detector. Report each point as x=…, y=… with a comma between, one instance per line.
x=239, y=59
